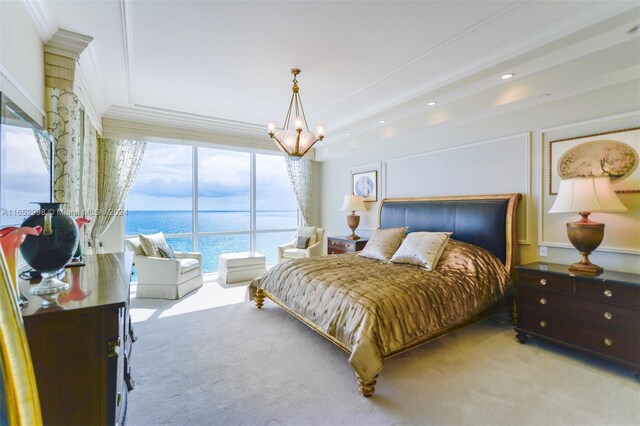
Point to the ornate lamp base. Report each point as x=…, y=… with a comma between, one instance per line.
x=585, y=236
x=49, y=288
x=353, y=221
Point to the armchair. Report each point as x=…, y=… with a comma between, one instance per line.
x=163, y=278
x=289, y=250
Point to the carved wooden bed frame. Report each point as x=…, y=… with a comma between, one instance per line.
x=508, y=235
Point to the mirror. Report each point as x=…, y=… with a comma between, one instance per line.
x=24, y=174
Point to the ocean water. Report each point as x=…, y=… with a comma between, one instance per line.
x=181, y=222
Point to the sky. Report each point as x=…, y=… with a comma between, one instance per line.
x=24, y=178
x=165, y=180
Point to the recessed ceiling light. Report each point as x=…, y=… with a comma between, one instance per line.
x=508, y=76
x=382, y=121
x=347, y=134
x=432, y=103
x=634, y=30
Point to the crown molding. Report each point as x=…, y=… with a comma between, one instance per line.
x=67, y=43
x=593, y=15
x=42, y=18
x=165, y=117
x=127, y=42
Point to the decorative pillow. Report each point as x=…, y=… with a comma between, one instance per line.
x=151, y=244
x=383, y=243
x=303, y=242
x=307, y=231
x=422, y=249
x=167, y=252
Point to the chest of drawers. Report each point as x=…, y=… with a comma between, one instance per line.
x=340, y=245
x=596, y=314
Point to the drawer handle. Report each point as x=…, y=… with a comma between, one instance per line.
x=608, y=342
x=543, y=323
x=608, y=315
x=543, y=301
x=608, y=293
x=543, y=281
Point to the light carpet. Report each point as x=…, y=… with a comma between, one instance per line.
x=236, y=364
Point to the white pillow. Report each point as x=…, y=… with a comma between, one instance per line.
x=307, y=231
x=151, y=244
x=422, y=249
x=383, y=243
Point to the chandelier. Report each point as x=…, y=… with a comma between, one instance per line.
x=295, y=143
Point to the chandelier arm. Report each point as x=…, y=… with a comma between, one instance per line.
x=297, y=149
x=285, y=126
x=303, y=115
x=280, y=143
x=309, y=148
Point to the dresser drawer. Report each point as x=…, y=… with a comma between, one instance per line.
x=336, y=250
x=613, y=343
x=602, y=314
x=608, y=293
x=551, y=282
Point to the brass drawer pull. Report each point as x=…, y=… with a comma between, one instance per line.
x=608, y=341
x=608, y=293
x=608, y=315
x=543, y=281
x=543, y=301
x=543, y=323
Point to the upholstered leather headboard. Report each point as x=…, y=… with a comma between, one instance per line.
x=488, y=221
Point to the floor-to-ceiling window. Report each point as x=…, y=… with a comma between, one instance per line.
x=213, y=201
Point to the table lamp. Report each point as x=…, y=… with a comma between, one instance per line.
x=585, y=195
x=353, y=203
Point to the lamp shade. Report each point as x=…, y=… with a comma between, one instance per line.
x=587, y=194
x=353, y=203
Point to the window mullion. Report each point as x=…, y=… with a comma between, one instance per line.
x=194, y=189
x=252, y=203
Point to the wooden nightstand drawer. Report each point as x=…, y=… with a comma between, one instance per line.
x=608, y=293
x=541, y=299
x=340, y=245
x=551, y=282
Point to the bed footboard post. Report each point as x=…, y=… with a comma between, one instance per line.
x=367, y=388
x=259, y=298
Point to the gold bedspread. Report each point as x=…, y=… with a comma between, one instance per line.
x=376, y=309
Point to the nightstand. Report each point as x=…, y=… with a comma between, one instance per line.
x=599, y=315
x=340, y=245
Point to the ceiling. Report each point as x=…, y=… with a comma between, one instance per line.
x=224, y=66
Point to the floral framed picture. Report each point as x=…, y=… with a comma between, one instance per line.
x=614, y=154
x=365, y=184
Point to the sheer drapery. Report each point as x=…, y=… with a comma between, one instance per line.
x=300, y=177
x=64, y=124
x=89, y=183
x=118, y=164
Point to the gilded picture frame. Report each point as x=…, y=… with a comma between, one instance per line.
x=20, y=404
x=365, y=184
x=615, y=154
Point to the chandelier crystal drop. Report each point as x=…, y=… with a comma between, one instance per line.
x=297, y=142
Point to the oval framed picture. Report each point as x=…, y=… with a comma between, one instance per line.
x=365, y=184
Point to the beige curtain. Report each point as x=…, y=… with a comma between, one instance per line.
x=300, y=177
x=118, y=164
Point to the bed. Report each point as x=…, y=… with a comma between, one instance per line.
x=374, y=310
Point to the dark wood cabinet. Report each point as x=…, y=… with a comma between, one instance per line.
x=81, y=347
x=340, y=245
x=596, y=314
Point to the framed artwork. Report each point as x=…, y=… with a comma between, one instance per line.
x=614, y=154
x=365, y=184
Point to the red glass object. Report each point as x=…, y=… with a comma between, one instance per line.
x=75, y=293
x=10, y=239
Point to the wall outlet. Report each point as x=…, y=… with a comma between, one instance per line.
x=543, y=251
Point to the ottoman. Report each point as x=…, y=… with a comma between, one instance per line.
x=239, y=267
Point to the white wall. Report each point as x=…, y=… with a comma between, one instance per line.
x=410, y=137
x=21, y=59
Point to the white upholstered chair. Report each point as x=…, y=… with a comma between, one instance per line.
x=163, y=278
x=289, y=250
